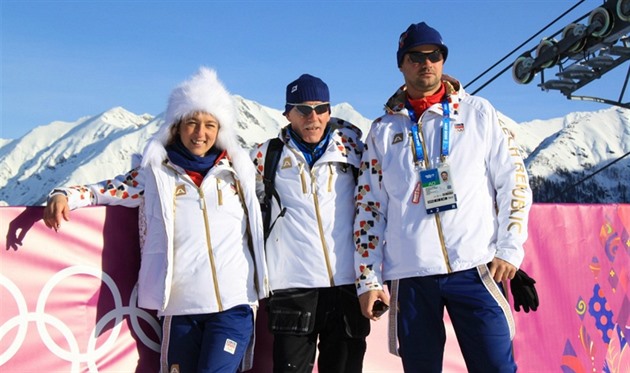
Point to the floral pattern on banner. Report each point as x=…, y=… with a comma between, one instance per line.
x=602, y=324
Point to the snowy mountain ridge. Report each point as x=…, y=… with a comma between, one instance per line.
x=559, y=151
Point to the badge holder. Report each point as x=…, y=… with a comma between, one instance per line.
x=438, y=190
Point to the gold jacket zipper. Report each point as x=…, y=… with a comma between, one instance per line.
x=438, y=222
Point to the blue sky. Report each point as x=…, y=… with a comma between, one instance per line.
x=62, y=60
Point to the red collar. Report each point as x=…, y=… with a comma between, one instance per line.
x=422, y=104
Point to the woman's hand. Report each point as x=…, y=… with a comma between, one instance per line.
x=56, y=210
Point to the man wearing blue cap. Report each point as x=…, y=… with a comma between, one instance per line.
x=310, y=244
x=440, y=242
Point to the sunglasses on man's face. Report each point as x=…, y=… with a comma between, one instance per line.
x=306, y=110
x=421, y=57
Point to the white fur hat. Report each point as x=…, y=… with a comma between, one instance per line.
x=203, y=92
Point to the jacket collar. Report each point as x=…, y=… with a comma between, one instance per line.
x=454, y=92
x=342, y=147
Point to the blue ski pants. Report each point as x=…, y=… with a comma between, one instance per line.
x=478, y=310
x=206, y=343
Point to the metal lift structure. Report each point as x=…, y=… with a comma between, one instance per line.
x=581, y=53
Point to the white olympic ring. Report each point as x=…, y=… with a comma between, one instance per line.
x=40, y=317
x=19, y=321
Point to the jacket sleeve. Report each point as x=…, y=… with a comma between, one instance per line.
x=513, y=193
x=125, y=190
x=257, y=155
x=370, y=217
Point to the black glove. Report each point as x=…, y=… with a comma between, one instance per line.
x=524, y=292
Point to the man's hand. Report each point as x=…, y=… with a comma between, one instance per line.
x=500, y=270
x=367, y=300
x=56, y=210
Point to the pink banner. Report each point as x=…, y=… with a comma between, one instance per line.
x=580, y=258
x=68, y=302
x=68, y=299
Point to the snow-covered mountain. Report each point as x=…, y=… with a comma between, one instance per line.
x=559, y=152
x=583, y=157
x=109, y=144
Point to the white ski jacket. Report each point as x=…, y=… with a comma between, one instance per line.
x=396, y=238
x=311, y=244
x=203, y=228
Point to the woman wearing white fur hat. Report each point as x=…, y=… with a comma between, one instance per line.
x=203, y=266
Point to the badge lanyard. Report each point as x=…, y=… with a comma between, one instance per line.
x=445, y=133
x=438, y=190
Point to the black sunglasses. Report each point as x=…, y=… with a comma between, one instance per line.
x=421, y=57
x=306, y=110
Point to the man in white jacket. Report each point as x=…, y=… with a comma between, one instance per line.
x=440, y=242
x=310, y=247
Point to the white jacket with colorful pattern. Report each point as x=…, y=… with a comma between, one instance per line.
x=395, y=237
x=311, y=245
x=204, y=227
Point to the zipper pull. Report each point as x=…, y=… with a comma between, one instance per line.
x=202, y=200
x=219, y=193
x=303, y=178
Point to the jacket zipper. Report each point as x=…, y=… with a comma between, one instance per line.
x=219, y=192
x=438, y=222
x=302, y=178
x=321, y=228
x=330, y=178
x=210, y=250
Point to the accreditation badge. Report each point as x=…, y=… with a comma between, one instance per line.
x=437, y=187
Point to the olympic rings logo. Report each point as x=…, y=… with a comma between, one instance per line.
x=73, y=354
